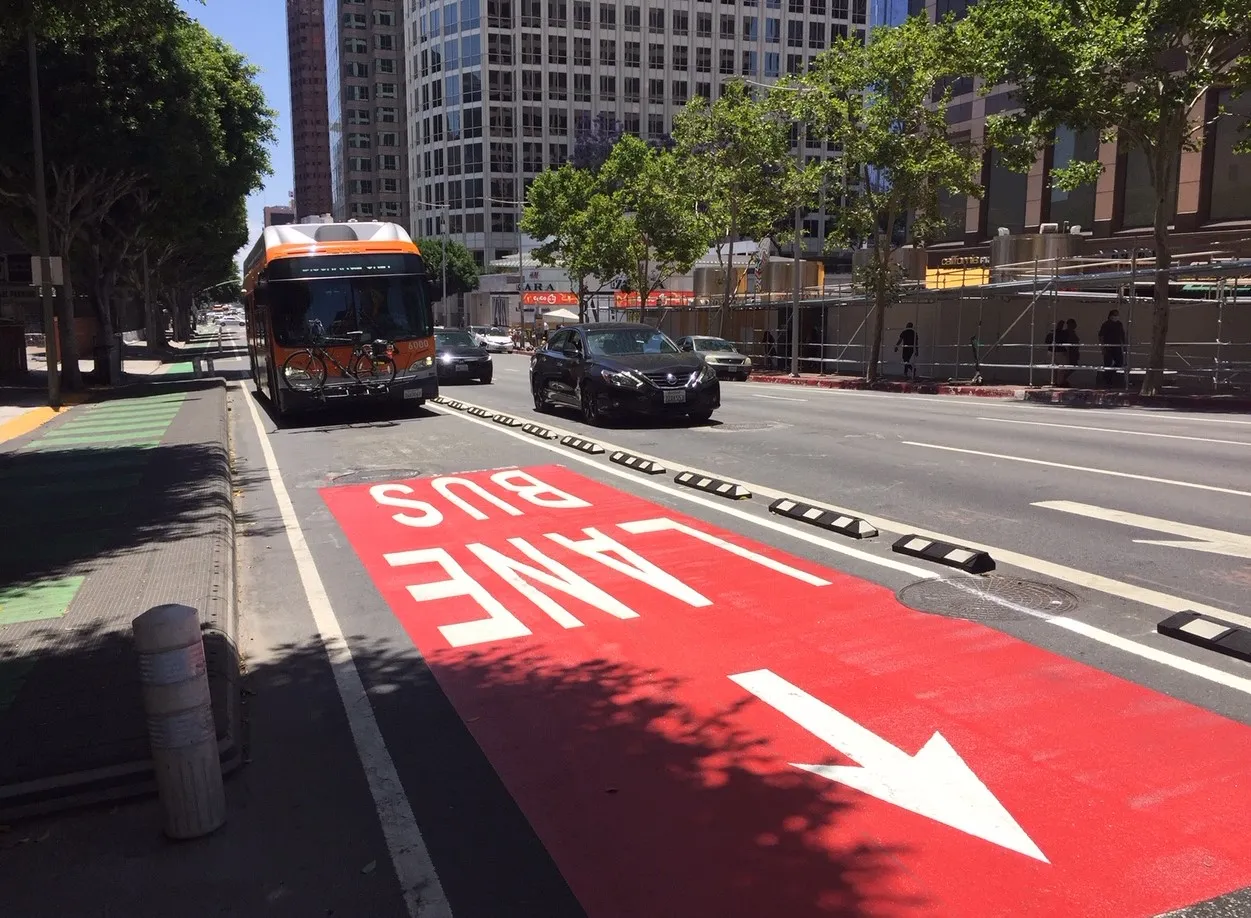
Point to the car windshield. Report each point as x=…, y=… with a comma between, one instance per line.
x=326, y=310
x=497, y=332
x=616, y=342
x=453, y=339
x=713, y=344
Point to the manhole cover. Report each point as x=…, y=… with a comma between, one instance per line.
x=365, y=476
x=992, y=598
x=735, y=428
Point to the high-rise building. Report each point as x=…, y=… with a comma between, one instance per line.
x=306, y=53
x=365, y=102
x=279, y=214
x=499, y=90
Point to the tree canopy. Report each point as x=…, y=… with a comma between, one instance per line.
x=160, y=133
x=874, y=103
x=1138, y=73
x=462, y=270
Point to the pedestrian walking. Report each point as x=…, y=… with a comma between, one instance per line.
x=908, y=341
x=1072, y=350
x=1112, y=339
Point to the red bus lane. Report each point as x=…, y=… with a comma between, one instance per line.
x=698, y=724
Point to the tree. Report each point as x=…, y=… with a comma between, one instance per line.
x=578, y=224
x=658, y=233
x=1135, y=72
x=874, y=103
x=736, y=154
x=462, y=270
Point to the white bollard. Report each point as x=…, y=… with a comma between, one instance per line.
x=180, y=720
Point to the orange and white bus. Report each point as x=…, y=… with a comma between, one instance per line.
x=328, y=296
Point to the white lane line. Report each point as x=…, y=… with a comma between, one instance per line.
x=1128, y=413
x=1117, y=430
x=1056, y=571
x=1082, y=468
x=778, y=398
x=419, y=882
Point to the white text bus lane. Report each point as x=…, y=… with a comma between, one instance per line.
x=695, y=723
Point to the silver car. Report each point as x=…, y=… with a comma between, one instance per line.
x=721, y=356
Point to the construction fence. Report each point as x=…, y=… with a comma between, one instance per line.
x=994, y=329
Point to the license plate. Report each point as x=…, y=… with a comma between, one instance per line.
x=462, y=368
x=413, y=393
x=675, y=396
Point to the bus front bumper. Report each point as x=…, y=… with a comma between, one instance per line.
x=407, y=389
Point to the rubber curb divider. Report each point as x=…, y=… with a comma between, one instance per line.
x=638, y=463
x=969, y=560
x=480, y=412
x=219, y=625
x=507, y=420
x=727, y=489
x=585, y=446
x=1208, y=633
x=537, y=430
x=823, y=517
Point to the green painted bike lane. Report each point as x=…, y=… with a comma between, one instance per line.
x=89, y=467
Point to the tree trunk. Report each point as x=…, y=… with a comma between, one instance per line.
x=106, y=343
x=71, y=376
x=182, y=309
x=881, y=269
x=1160, y=299
x=726, y=287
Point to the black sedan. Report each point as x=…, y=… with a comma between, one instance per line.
x=622, y=369
x=458, y=358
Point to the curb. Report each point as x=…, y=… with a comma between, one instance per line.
x=219, y=625
x=857, y=384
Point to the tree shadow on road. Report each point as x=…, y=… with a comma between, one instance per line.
x=611, y=799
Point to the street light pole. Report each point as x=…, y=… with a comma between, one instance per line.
x=52, y=348
x=795, y=279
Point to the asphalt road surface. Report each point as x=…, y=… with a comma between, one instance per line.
x=545, y=684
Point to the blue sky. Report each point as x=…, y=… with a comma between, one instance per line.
x=258, y=30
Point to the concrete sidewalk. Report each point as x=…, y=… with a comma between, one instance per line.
x=114, y=506
x=1086, y=398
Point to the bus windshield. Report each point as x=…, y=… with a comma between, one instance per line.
x=392, y=307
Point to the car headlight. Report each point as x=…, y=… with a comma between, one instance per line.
x=746, y=363
x=623, y=378
x=704, y=374
x=445, y=358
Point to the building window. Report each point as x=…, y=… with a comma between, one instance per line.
x=1005, y=198
x=1076, y=207
x=356, y=46
x=703, y=90
x=607, y=52
x=557, y=14
x=362, y=209
x=473, y=192
x=471, y=51
x=558, y=122
x=557, y=49
x=532, y=157
x=751, y=28
x=679, y=92
x=656, y=21
x=727, y=61
x=501, y=121
x=630, y=89
x=557, y=154
x=358, y=69
x=655, y=127
x=582, y=87
x=633, y=19
x=385, y=18
x=360, y=164
x=503, y=157
x=360, y=186
x=858, y=12
x=384, y=42
x=532, y=14
x=751, y=64
x=385, y=90
x=582, y=52
x=656, y=92
x=387, y=115
x=532, y=85
x=503, y=191
x=582, y=15
x=633, y=54
x=681, y=22
x=558, y=86
x=503, y=221
x=531, y=49
x=727, y=27
x=471, y=86
x=794, y=34
x=473, y=123
x=358, y=116
x=360, y=141
x=1139, y=210
x=499, y=49
x=357, y=93
x=1231, y=172
x=392, y=185
x=388, y=162
x=355, y=21
x=453, y=160
x=607, y=17
x=679, y=57
x=816, y=35
x=384, y=65
x=703, y=25
x=630, y=125
x=794, y=64
x=531, y=121
x=772, y=64
x=501, y=85
x=703, y=60
x=656, y=57
x=499, y=14
x=473, y=165
x=607, y=87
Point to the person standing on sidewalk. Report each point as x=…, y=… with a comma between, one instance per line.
x=908, y=341
x=1112, y=339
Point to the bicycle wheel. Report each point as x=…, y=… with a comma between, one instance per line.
x=304, y=371
x=374, y=371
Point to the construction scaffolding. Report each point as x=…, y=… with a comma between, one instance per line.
x=996, y=332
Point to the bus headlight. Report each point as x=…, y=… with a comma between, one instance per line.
x=421, y=364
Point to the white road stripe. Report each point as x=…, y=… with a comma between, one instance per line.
x=1025, y=562
x=1082, y=468
x=1117, y=430
x=778, y=398
x=419, y=882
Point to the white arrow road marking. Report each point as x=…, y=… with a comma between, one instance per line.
x=1214, y=541
x=935, y=783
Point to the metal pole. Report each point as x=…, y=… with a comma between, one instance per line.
x=1032, y=330
x=1220, y=321
x=795, y=281
x=51, y=348
x=1129, y=319
x=447, y=318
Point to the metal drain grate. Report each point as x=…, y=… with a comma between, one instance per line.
x=367, y=476
x=993, y=598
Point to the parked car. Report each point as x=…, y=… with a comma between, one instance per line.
x=725, y=359
x=607, y=370
x=459, y=358
x=493, y=338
